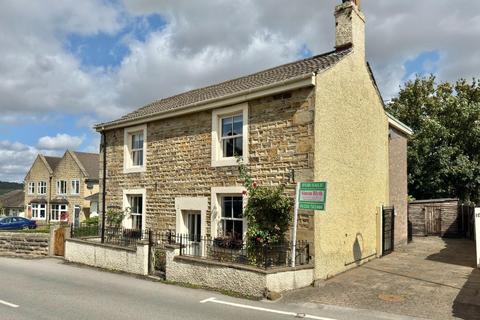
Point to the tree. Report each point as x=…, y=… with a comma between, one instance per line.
x=444, y=152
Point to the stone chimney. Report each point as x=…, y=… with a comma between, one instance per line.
x=350, y=26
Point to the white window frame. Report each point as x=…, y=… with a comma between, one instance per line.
x=128, y=166
x=217, y=147
x=127, y=221
x=31, y=188
x=42, y=185
x=72, y=187
x=59, y=187
x=59, y=210
x=217, y=193
x=36, y=210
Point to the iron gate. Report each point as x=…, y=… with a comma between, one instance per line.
x=388, y=229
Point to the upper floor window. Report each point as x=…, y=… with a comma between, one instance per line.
x=31, y=188
x=134, y=149
x=42, y=187
x=61, y=187
x=75, y=187
x=230, y=135
x=137, y=149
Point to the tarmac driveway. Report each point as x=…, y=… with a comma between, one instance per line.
x=431, y=278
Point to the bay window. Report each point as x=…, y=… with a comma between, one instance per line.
x=59, y=212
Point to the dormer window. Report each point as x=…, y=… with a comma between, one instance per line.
x=135, y=149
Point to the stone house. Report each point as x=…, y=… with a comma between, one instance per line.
x=171, y=163
x=12, y=203
x=56, y=187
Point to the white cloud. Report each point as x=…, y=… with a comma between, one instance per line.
x=60, y=142
x=16, y=159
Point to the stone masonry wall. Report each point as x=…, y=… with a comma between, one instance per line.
x=179, y=157
x=24, y=244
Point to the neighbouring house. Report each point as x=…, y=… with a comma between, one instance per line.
x=398, y=177
x=12, y=203
x=172, y=163
x=56, y=187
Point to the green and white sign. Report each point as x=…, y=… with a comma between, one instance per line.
x=312, y=195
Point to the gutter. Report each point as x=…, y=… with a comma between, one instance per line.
x=237, y=97
x=397, y=124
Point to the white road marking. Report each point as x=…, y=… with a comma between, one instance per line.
x=8, y=304
x=287, y=313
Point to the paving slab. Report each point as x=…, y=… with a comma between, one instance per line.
x=430, y=278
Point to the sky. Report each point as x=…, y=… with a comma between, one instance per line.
x=66, y=65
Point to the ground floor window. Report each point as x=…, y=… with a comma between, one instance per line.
x=38, y=211
x=59, y=212
x=232, y=220
x=136, y=210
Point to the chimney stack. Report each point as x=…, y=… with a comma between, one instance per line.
x=350, y=26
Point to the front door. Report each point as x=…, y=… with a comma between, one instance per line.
x=77, y=216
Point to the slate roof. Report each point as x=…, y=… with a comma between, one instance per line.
x=272, y=76
x=13, y=199
x=94, y=197
x=52, y=161
x=90, y=161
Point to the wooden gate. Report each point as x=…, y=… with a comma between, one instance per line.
x=433, y=221
x=388, y=229
x=59, y=242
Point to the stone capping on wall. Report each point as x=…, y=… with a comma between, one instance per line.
x=105, y=245
x=189, y=259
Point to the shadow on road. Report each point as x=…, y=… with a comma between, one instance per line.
x=467, y=303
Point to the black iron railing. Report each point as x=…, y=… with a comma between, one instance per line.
x=252, y=253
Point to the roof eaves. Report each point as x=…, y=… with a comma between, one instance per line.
x=399, y=125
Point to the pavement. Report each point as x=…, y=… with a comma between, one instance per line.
x=431, y=277
x=51, y=289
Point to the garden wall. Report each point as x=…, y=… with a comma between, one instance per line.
x=22, y=244
x=246, y=280
x=131, y=260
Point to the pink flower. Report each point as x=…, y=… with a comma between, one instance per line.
x=254, y=185
x=244, y=192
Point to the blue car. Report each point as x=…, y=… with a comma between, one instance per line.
x=16, y=223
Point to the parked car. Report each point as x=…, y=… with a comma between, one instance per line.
x=17, y=223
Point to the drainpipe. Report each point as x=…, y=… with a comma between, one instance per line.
x=47, y=209
x=104, y=190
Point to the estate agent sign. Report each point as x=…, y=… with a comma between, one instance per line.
x=312, y=195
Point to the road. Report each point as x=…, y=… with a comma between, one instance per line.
x=50, y=289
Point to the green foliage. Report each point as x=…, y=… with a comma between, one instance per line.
x=444, y=153
x=114, y=218
x=268, y=211
x=92, y=221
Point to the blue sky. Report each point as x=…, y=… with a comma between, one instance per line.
x=67, y=65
